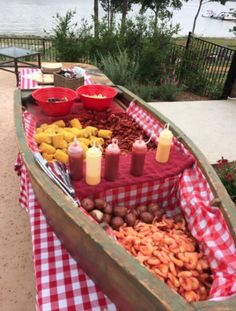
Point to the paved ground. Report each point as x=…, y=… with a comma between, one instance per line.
x=210, y=124
x=17, y=285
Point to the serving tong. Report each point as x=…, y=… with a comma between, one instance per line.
x=63, y=182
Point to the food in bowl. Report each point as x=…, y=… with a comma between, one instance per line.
x=55, y=101
x=96, y=96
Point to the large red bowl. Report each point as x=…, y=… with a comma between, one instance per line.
x=96, y=103
x=55, y=108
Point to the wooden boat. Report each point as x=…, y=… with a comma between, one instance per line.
x=128, y=284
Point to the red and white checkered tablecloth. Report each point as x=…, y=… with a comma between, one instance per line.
x=206, y=223
x=61, y=282
x=27, y=83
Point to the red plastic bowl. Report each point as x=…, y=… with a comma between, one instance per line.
x=96, y=89
x=57, y=108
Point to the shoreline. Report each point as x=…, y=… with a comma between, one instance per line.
x=181, y=40
x=46, y=37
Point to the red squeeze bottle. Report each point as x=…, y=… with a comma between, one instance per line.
x=112, y=157
x=139, y=150
x=76, y=160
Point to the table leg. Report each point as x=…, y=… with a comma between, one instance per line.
x=16, y=72
x=39, y=60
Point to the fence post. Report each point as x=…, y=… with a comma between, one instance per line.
x=44, y=50
x=183, y=65
x=230, y=78
x=188, y=40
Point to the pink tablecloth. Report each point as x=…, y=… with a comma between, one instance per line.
x=27, y=83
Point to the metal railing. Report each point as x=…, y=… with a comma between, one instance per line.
x=42, y=45
x=206, y=66
x=203, y=66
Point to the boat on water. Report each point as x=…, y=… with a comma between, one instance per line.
x=225, y=16
x=208, y=13
x=196, y=189
x=229, y=16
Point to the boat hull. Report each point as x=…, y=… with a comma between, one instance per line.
x=127, y=283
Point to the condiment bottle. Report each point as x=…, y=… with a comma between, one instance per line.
x=75, y=153
x=93, y=166
x=139, y=150
x=164, y=145
x=112, y=157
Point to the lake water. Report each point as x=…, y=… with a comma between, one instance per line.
x=31, y=17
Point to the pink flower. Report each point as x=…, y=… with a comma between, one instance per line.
x=229, y=177
x=222, y=161
x=164, y=68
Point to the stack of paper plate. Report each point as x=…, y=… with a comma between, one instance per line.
x=41, y=78
x=51, y=67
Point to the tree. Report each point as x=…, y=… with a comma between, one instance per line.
x=125, y=6
x=202, y=2
x=110, y=7
x=114, y=6
x=96, y=18
x=161, y=8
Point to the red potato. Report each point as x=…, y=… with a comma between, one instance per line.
x=146, y=217
x=117, y=222
x=106, y=218
x=130, y=219
x=119, y=211
x=88, y=204
x=99, y=203
x=107, y=209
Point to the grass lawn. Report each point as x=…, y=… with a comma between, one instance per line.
x=228, y=42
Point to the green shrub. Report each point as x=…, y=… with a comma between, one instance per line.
x=169, y=92
x=64, y=39
x=214, y=90
x=147, y=92
x=153, y=54
x=119, y=68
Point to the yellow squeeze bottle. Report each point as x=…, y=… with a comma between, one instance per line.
x=164, y=145
x=93, y=166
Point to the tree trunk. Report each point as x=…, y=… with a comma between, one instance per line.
x=96, y=18
x=196, y=16
x=156, y=12
x=124, y=14
x=155, y=20
x=112, y=18
x=108, y=13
